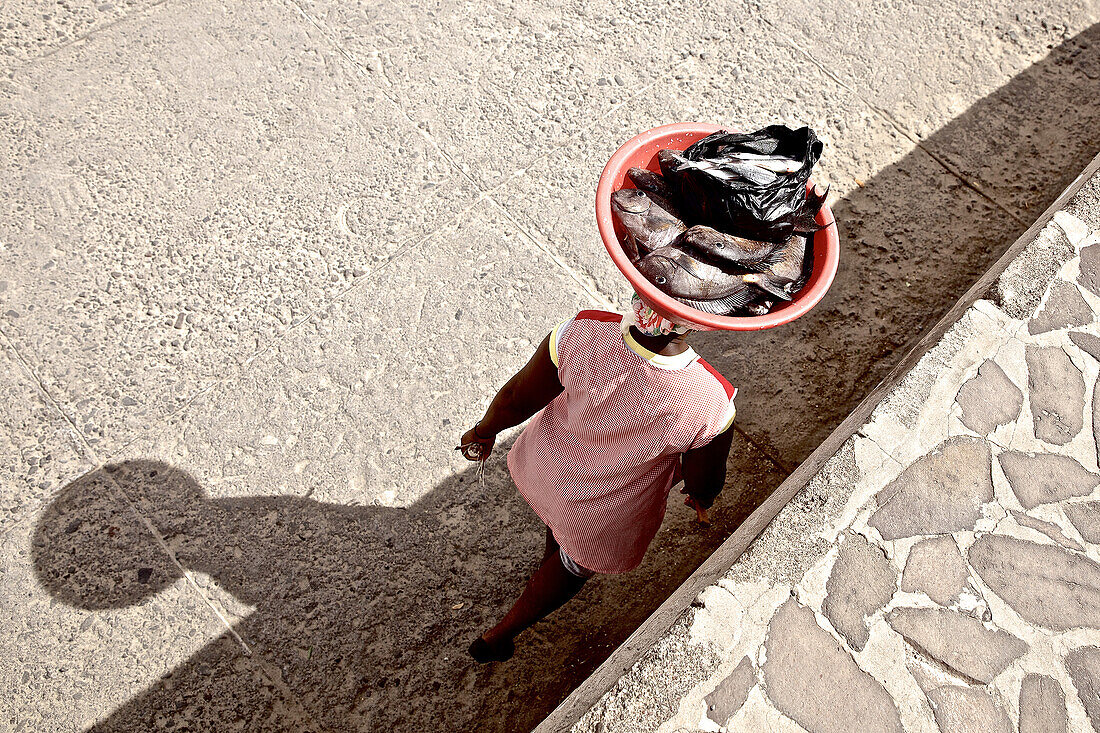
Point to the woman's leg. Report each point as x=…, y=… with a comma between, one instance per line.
x=552, y=546
x=547, y=590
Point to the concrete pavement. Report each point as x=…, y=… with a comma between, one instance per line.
x=280, y=255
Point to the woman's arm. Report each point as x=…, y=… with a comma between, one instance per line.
x=528, y=391
x=704, y=471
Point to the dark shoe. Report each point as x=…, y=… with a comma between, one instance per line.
x=483, y=652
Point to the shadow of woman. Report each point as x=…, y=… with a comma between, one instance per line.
x=360, y=613
x=347, y=601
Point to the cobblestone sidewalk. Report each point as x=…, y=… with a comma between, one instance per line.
x=941, y=572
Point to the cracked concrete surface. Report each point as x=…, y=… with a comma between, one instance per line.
x=260, y=264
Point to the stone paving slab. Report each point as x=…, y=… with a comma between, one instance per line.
x=1086, y=206
x=536, y=91
x=1011, y=641
x=168, y=220
x=338, y=409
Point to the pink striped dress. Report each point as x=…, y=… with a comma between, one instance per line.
x=597, y=463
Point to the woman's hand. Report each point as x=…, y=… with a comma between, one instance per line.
x=474, y=447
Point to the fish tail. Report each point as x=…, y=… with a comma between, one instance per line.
x=805, y=221
x=721, y=306
x=630, y=246
x=815, y=202
x=762, y=281
x=634, y=249
x=805, y=224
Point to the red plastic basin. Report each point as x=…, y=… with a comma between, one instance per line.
x=641, y=151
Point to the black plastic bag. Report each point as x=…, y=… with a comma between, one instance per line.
x=720, y=183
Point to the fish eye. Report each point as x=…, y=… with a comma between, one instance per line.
x=660, y=280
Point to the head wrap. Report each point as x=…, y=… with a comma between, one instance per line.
x=650, y=323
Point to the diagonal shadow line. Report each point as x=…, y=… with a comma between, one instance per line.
x=891, y=120
x=355, y=607
x=913, y=240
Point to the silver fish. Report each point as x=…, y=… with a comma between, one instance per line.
x=746, y=253
x=786, y=272
x=761, y=170
x=683, y=275
x=657, y=188
x=772, y=163
x=726, y=168
x=648, y=226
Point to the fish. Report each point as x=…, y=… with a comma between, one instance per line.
x=694, y=281
x=745, y=253
x=657, y=188
x=785, y=274
x=726, y=168
x=773, y=163
x=727, y=306
x=765, y=284
x=648, y=226
x=726, y=179
x=761, y=170
x=807, y=266
x=668, y=160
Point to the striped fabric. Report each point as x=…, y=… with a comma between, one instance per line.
x=597, y=463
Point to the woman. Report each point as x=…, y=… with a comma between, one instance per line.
x=625, y=410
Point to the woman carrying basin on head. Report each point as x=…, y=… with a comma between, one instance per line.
x=625, y=409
